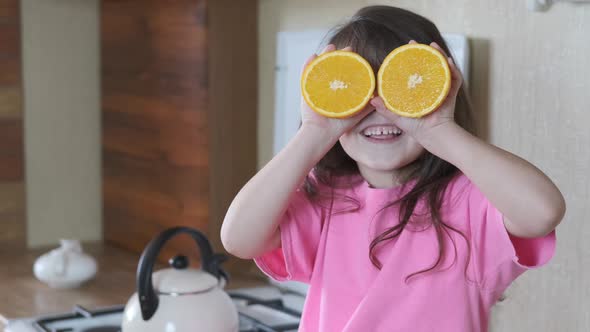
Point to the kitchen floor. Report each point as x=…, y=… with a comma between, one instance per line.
x=22, y=295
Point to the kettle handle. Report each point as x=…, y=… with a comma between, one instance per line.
x=148, y=300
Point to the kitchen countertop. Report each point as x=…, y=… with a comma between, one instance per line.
x=22, y=295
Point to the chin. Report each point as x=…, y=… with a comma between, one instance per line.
x=381, y=165
x=382, y=157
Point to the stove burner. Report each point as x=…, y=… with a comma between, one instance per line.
x=261, y=309
x=104, y=329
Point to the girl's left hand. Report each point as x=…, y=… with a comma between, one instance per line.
x=444, y=114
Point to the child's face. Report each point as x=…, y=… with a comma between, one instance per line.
x=375, y=144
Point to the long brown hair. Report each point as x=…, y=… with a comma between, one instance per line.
x=373, y=32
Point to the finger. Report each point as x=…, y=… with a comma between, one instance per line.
x=380, y=107
x=412, y=42
x=456, y=73
x=452, y=65
x=449, y=59
x=456, y=77
x=347, y=48
x=435, y=45
x=328, y=48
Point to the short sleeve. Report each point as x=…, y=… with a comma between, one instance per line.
x=300, y=235
x=498, y=256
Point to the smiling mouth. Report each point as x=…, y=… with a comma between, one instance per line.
x=381, y=132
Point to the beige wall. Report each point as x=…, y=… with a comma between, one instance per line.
x=60, y=43
x=530, y=81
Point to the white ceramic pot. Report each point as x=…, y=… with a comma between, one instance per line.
x=65, y=267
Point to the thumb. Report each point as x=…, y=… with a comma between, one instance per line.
x=377, y=102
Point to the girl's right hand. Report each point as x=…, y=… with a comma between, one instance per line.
x=332, y=126
x=251, y=224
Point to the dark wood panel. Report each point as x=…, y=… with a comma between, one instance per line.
x=12, y=195
x=12, y=212
x=179, y=116
x=233, y=81
x=171, y=90
x=157, y=185
x=180, y=143
x=11, y=150
x=9, y=37
x=10, y=76
x=155, y=129
x=9, y=10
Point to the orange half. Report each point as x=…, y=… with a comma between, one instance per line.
x=338, y=84
x=414, y=80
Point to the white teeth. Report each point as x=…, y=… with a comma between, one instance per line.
x=382, y=131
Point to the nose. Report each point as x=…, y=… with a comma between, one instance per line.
x=378, y=117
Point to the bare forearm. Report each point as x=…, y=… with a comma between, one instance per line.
x=253, y=216
x=526, y=197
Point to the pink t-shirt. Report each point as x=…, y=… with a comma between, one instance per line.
x=347, y=293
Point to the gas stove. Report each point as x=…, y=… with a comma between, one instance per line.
x=261, y=309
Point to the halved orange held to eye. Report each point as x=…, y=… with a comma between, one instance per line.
x=338, y=84
x=414, y=80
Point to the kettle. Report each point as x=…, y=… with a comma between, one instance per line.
x=179, y=298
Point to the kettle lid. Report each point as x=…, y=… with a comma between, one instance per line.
x=179, y=279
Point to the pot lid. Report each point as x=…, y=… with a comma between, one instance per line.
x=180, y=280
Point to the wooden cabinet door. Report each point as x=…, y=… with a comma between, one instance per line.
x=179, y=94
x=155, y=132
x=12, y=186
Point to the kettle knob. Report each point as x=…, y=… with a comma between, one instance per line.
x=179, y=262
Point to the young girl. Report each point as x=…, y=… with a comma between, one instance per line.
x=418, y=231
